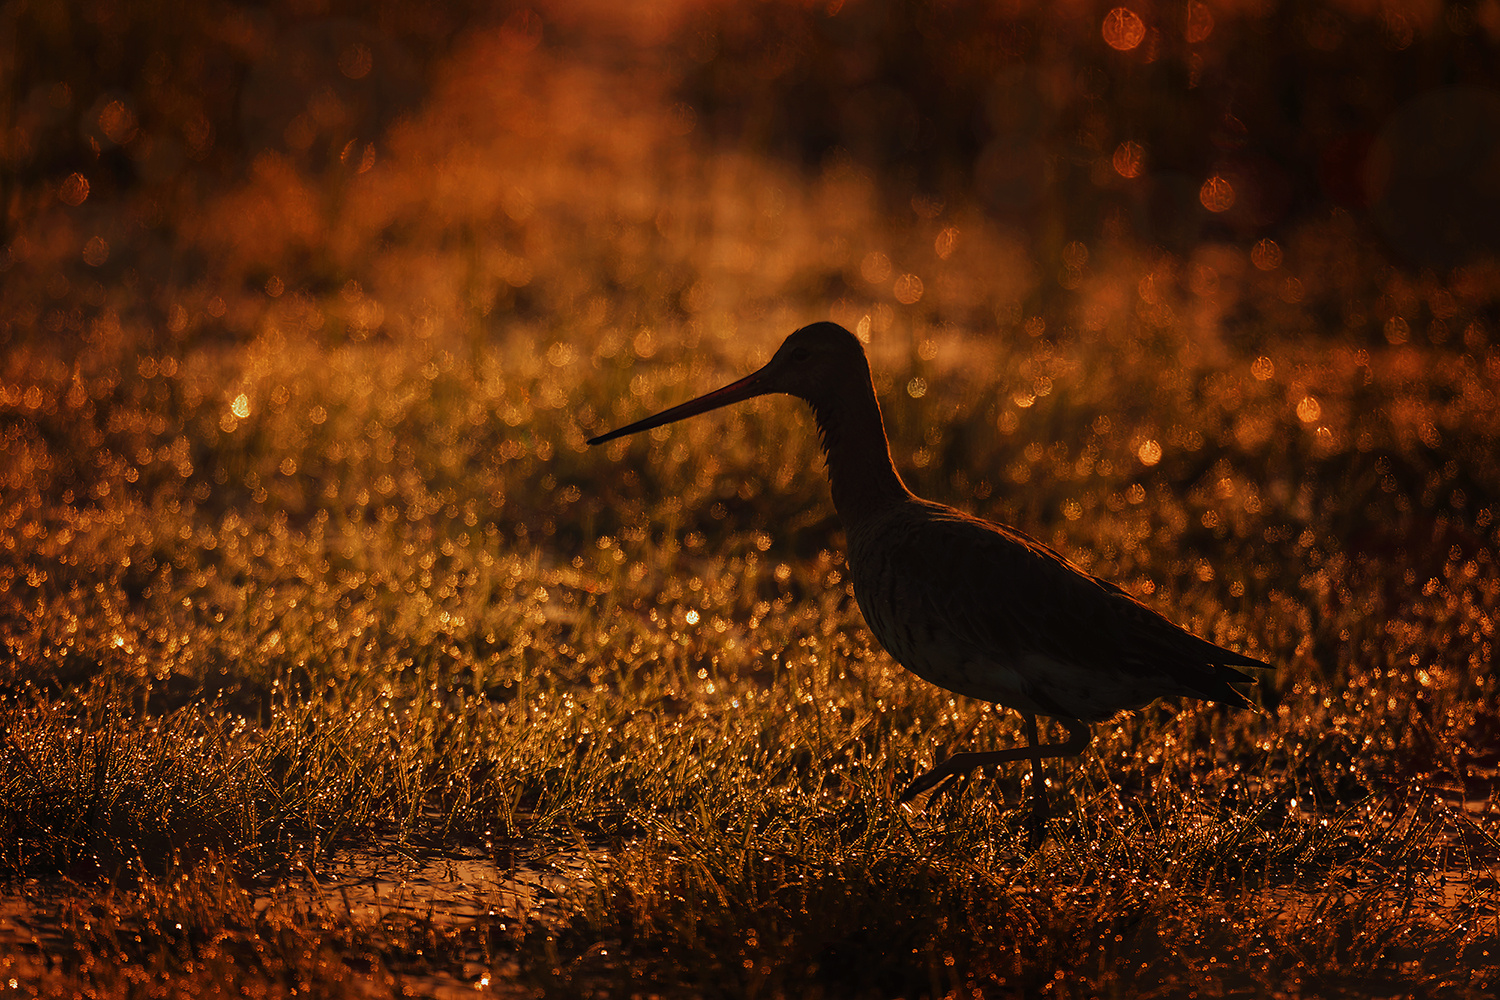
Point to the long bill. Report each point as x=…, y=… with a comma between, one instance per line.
x=756, y=384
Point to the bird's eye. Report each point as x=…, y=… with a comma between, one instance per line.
x=800, y=354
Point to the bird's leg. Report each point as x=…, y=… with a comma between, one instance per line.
x=961, y=764
x=949, y=774
x=1079, y=735
x=1041, y=809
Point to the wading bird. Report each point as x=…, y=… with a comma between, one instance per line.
x=975, y=607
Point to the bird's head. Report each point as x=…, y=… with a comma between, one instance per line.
x=810, y=364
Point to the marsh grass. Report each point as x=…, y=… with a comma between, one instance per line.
x=220, y=676
x=289, y=573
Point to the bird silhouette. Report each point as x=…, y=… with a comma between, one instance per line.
x=972, y=606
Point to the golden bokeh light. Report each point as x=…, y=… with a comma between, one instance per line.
x=361, y=159
x=356, y=61
x=118, y=123
x=1123, y=29
x=1200, y=22
x=946, y=243
x=96, y=251
x=1266, y=255
x=74, y=190
x=909, y=289
x=1129, y=159
x=1217, y=194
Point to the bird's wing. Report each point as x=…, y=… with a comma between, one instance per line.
x=1003, y=592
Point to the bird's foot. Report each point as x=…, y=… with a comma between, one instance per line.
x=950, y=785
x=1036, y=831
x=1036, y=821
x=950, y=777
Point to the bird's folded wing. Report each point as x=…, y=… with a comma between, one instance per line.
x=1006, y=593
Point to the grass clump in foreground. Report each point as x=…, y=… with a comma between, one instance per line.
x=290, y=575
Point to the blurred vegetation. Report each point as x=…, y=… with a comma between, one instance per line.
x=309, y=309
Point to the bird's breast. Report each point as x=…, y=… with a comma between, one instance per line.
x=900, y=615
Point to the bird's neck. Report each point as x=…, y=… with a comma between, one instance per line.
x=863, y=478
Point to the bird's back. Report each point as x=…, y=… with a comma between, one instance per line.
x=989, y=612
